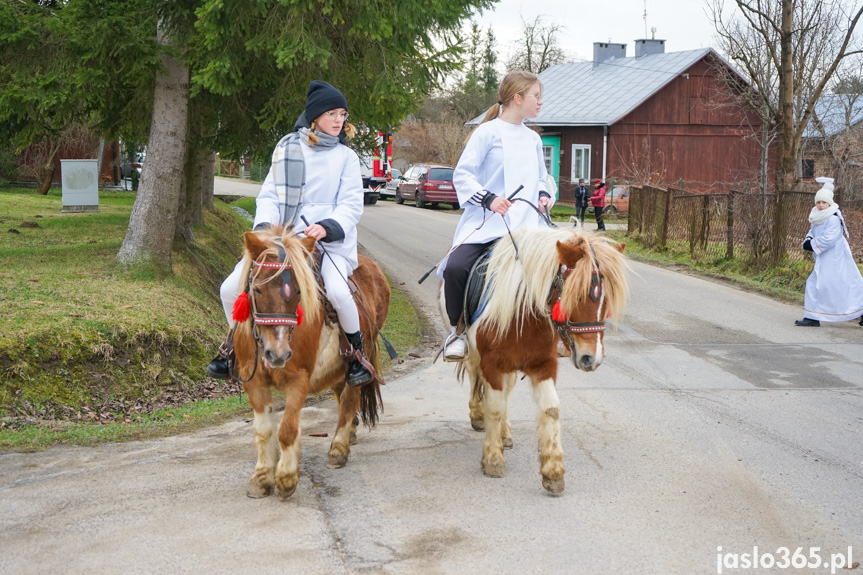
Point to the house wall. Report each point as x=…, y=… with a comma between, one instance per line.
x=590, y=136
x=686, y=135
x=690, y=134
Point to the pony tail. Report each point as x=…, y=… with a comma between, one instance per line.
x=350, y=130
x=492, y=113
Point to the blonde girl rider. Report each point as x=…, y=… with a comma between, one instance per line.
x=501, y=155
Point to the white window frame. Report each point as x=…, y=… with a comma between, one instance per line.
x=574, y=174
x=548, y=158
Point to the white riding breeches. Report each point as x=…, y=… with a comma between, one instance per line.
x=338, y=293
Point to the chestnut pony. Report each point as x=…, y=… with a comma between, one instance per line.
x=569, y=275
x=286, y=343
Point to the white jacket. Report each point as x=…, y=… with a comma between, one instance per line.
x=334, y=190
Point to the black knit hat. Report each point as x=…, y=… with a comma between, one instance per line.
x=322, y=97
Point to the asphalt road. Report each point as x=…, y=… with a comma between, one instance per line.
x=713, y=422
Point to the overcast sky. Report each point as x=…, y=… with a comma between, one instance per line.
x=684, y=24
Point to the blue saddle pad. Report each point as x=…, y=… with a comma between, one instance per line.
x=477, y=293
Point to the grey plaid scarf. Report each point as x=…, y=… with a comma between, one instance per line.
x=289, y=171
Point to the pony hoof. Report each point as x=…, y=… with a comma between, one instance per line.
x=284, y=494
x=285, y=486
x=496, y=470
x=477, y=423
x=353, y=440
x=337, y=460
x=553, y=486
x=507, y=442
x=259, y=491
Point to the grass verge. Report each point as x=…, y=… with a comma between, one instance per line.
x=785, y=282
x=85, y=345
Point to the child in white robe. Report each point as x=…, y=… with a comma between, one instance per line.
x=834, y=290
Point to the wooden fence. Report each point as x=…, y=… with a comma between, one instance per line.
x=728, y=225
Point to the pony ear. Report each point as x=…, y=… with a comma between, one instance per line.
x=569, y=255
x=254, y=245
x=620, y=246
x=308, y=244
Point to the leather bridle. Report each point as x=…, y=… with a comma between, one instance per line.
x=566, y=328
x=288, y=291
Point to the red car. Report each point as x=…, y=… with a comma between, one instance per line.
x=427, y=184
x=617, y=200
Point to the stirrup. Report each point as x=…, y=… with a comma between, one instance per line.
x=451, y=340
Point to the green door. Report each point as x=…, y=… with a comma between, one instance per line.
x=551, y=154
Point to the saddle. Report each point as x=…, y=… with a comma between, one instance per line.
x=331, y=318
x=476, y=292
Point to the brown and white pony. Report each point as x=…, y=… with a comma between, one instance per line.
x=516, y=332
x=273, y=351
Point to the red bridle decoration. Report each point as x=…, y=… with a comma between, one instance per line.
x=241, y=308
x=557, y=313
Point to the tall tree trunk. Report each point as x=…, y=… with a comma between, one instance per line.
x=195, y=204
x=189, y=212
x=99, y=155
x=208, y=180
x=151, y=226
x=47, y=178
x=182, y=232
x=785, y=169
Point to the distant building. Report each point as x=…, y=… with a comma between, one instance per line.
x=833, y=143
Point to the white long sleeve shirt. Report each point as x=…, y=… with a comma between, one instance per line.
x=498, y=158
x=334, y=190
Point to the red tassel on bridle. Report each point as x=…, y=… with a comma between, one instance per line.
x=557, y=313
x=299, y=315
x=241, y=308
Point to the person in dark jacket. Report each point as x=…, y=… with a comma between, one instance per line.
x=582, y=196
x=598, y=202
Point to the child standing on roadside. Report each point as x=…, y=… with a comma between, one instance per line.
x=834, y=290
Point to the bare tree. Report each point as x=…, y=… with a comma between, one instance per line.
x=641, y=163
x=790, y=49
x=39, y=160
x=449, y=134
x=837, y=134
x=538, y=47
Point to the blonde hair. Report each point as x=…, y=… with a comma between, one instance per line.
x=350, y=131
x=515, y=82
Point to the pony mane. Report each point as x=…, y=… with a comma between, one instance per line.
x=520, y=287
x=304, y=274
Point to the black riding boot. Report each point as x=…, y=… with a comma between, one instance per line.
x=218, y=368
x=357, y=373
